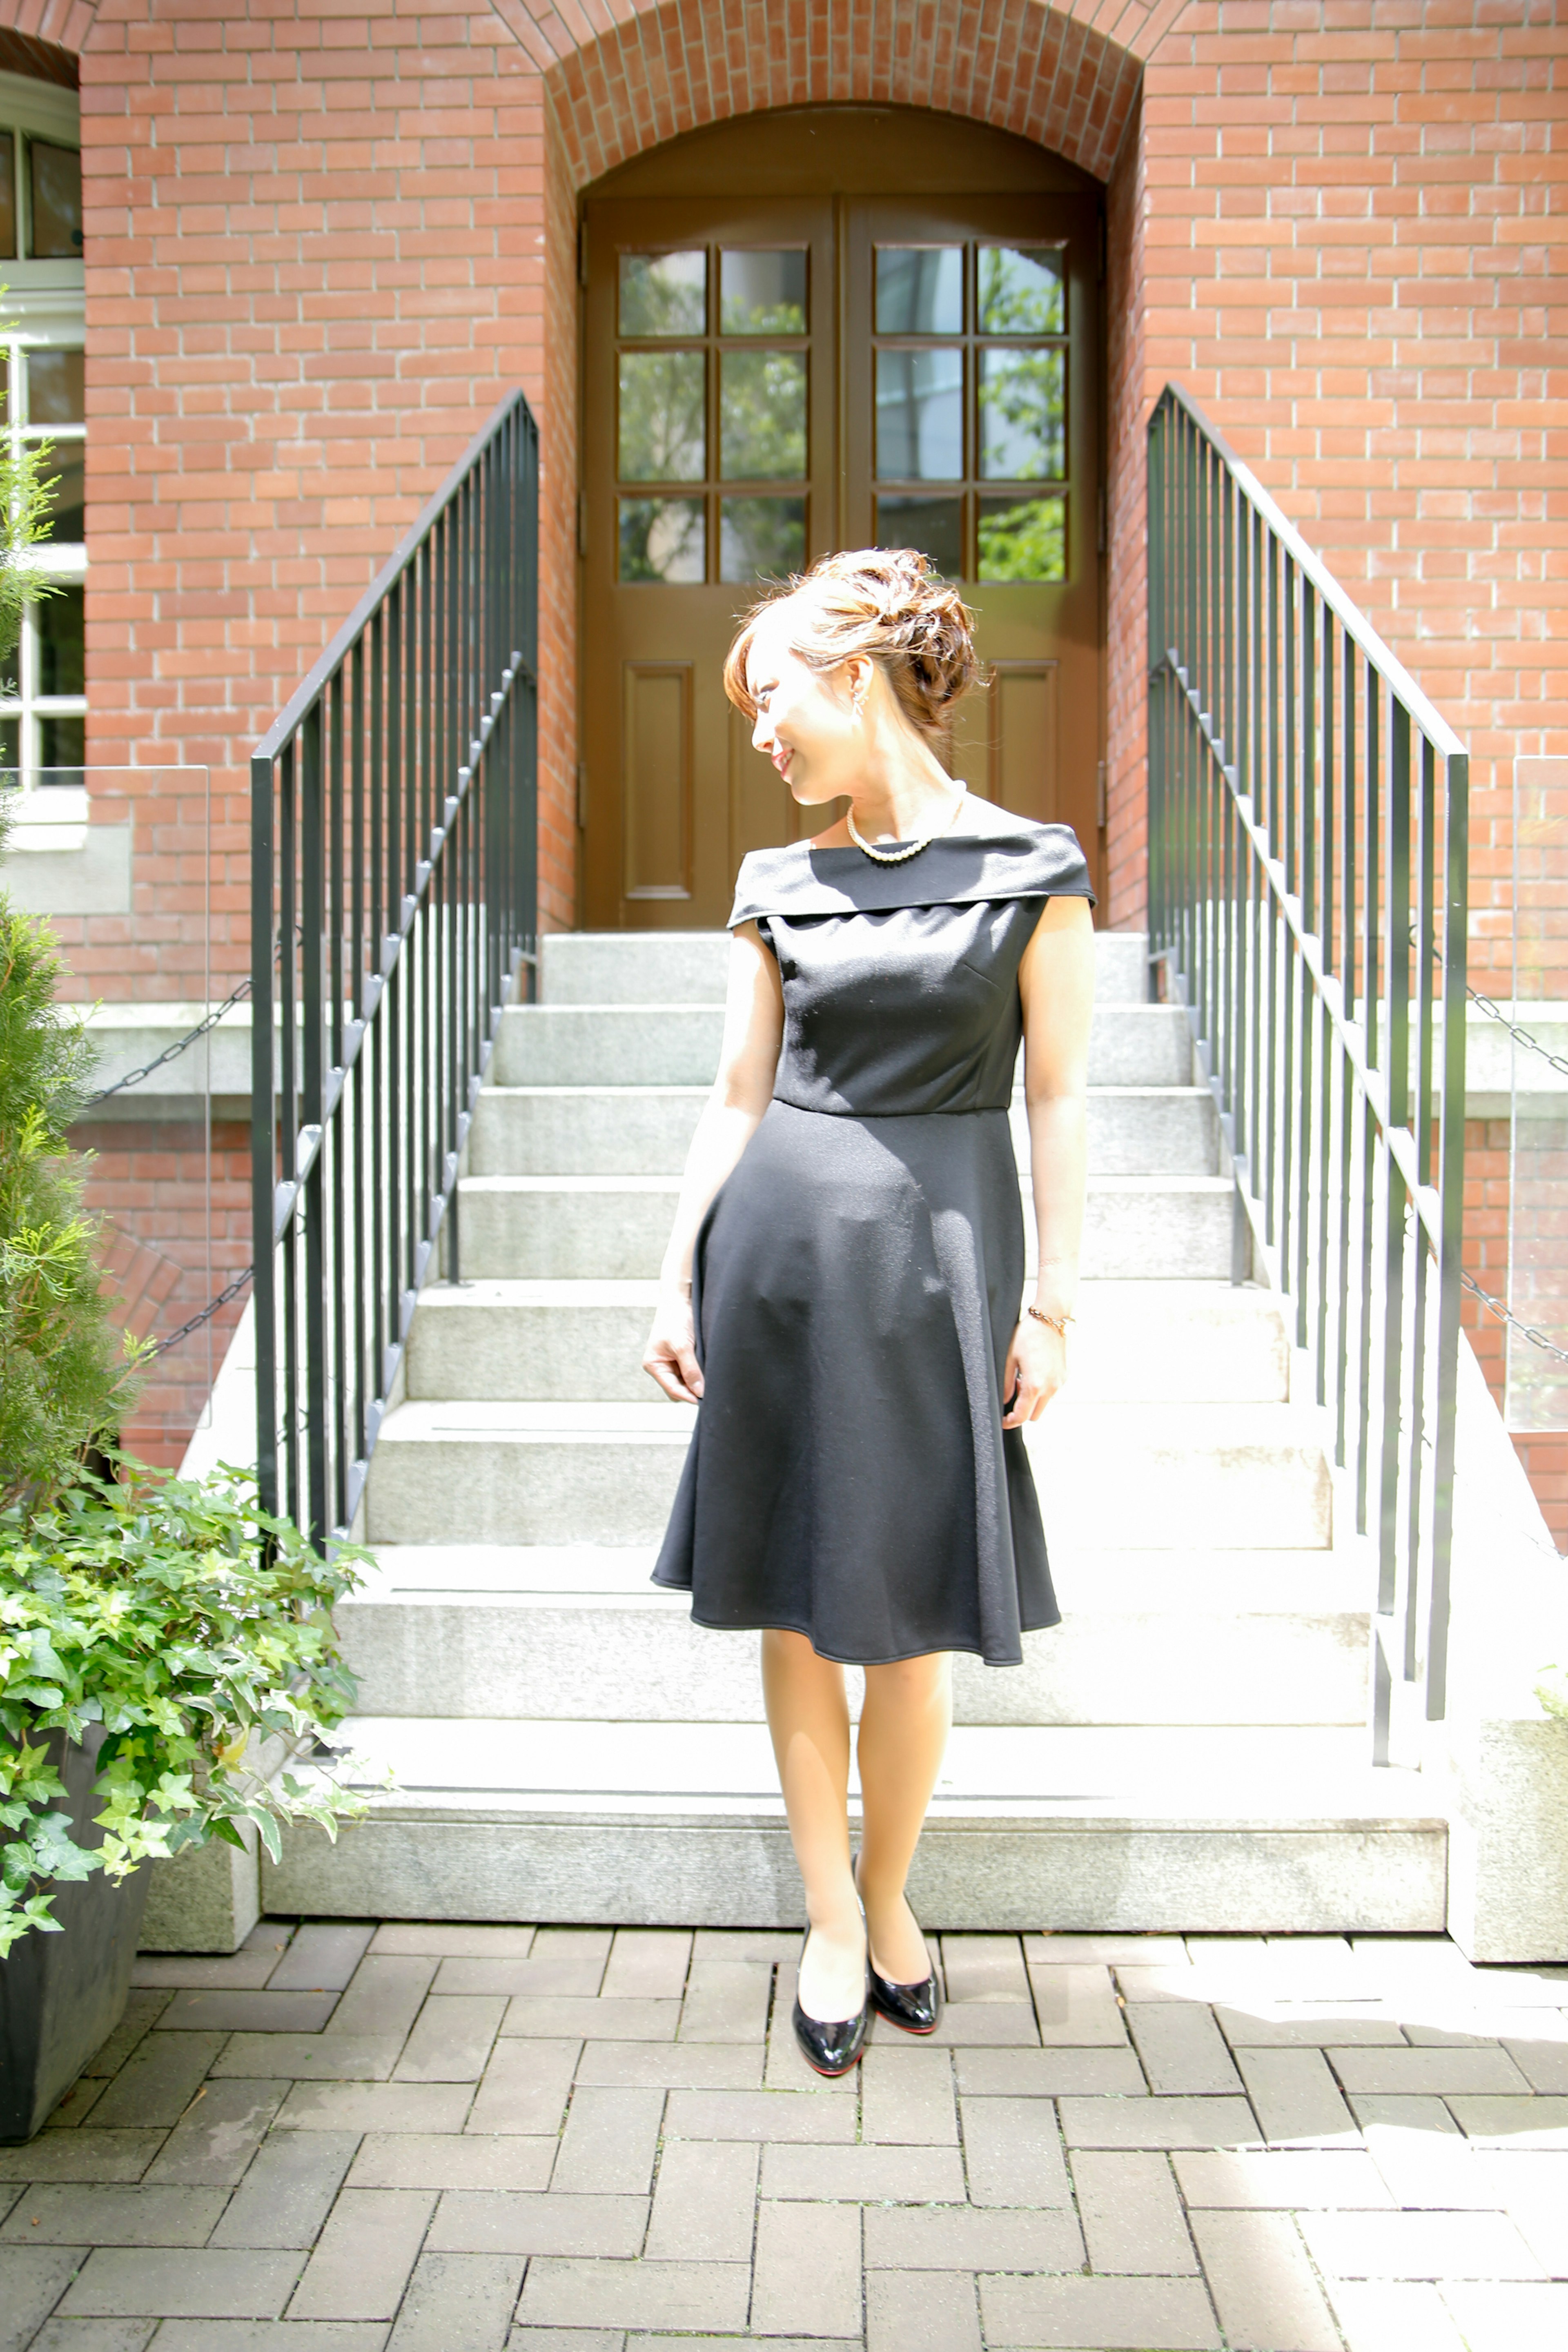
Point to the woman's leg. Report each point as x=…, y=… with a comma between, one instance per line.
x=809, y=1719
x=904, y=1725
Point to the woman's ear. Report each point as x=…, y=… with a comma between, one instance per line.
x=857, y=673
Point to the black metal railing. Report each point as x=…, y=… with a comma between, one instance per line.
x=1307, y=864
x=392, y=914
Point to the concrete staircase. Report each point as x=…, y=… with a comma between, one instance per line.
x=1187, y=1751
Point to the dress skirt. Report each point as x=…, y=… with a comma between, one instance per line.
x=855, y=1287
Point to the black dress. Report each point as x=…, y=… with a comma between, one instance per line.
x=858, y=1278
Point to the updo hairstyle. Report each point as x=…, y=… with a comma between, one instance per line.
x=885, y=601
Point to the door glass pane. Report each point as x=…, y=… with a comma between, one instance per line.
x=761, y=415
x=920, y=416
x=664, y=293
x=760, y=538
x=56, y=200
x=1022, y=291
x=7, y=196
x=933, y=527
x=62, y=666
x=762, y=293
x=67, y=467
x=662, y=539
x=662, y=435
x=1023, y=415
x=56, y=388
x=920, y=289
x=1022, y=539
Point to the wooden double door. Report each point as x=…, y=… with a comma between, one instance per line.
x=770, y=378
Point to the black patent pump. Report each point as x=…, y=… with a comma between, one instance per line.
x=830, y=2045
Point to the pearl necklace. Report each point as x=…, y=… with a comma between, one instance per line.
x=897, y=857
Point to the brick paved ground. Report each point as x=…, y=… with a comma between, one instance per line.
x=450, y=2139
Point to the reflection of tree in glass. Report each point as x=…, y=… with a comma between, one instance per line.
x=661, y=539
x=1022, y=401
x=762, y=403
x=1020, y=293
x=661, y=429
x=664, y=293
x=760, y=538
x=1027, y=542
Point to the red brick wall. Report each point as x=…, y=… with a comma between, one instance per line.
x=1126, y=652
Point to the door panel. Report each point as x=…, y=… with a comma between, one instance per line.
x=655, y=810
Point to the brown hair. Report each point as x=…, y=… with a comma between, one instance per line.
x=885, y=601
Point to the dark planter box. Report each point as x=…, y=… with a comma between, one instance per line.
x=62, y=1996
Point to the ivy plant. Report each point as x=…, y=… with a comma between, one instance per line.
x=193, y=1628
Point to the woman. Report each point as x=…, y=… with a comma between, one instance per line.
x=842, y=1285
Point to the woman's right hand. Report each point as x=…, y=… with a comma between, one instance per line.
x=670, y=1357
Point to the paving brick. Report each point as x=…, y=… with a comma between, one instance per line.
x=32, y=2279
x=451, y=2040
x=906, y=2098
x=566, y=1963
x=323, y=1956
x=62, y=2215
x=451, y=2160
x=726, y=2001
x=270, y=1934
x=289, y=2190
x=687, y=2297
x=1105, y=1952
x=943, y=2238
x=311, y=2057
x=1407, y=2111
x=911, y=2175
x=227, y=1971
x=648, y=1964
x=1439, y=2073
x=374, y=2106
x=384, y=1994
x=972, y=2025
x=1502, y=2318
x=593, y=2339
x=1417, y=2245
x=458, y=2302
x=983, y=1968
x=428, y=1937
x=74, y=2106
x=1155, y=2123
x=159, y=2080
x=1388, y=2316
x=1013, y=2152
x=1543, y=2065
x=364, y=2254
x=807, y=2276
x=141, y=2013
x=778, y=1947
x=1532, y=2189
x=1437, y=2169
x=1542, y=2121
x=558, y=2017
x=1294, y=2096
x=180, y=2284
x=1257, y=2180
x=704, y=2205
x=502, y=1973
x=247, y=2012
x=1262, y=2284
x=1119, y=2314
x=525, y=2088
x=1315, y=2028
x=82, y=2156
x=1131, y=2215
x=680, y=2066
x=757, y=2115
x=1183, y=2050
x=1076, y=2008
x=271, y=2336
x=1050, y=2073
x=608, y=2145
x=930, y=2312
x=93, y=2335
x=220, y=2132
x=500, y=2221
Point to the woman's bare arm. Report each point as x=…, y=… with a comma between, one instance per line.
x=1055, y=982
x=747, y=1063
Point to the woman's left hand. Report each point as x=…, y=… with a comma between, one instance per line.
x=1035, y=1369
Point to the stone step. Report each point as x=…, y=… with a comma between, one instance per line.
x=512, y=1340
x=1125, y=1475
x=676, y=1044
x=441, y=1635
x=1240, y=1832
x=646, y=1131
x=615, y=1228
x=689, y=967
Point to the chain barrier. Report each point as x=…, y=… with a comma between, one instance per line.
x=1558, y=1062
x=214, y=1306
x=171, y=1053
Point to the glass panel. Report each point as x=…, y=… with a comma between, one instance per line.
x=664, y=293
x=761, y=415
x=1023, y=416
x=57, y=392
x=56, y=200
x=760, y=538
x=762, y=293
x=10, y=750
x=7, y=195
x=1022, y=291
x=68, y=466
x=1022, y=539
x=662, y=435
x=62, y=743
x=62, y=666
x=662, y=539
x=933, y=527
x=920, y=416
x=920, y=289
x=5, y=380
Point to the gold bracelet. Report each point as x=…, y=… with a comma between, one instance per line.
x=1052, y=1322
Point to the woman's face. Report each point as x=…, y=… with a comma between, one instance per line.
x=808, y=722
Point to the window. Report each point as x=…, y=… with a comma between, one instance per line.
x=43, y=691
